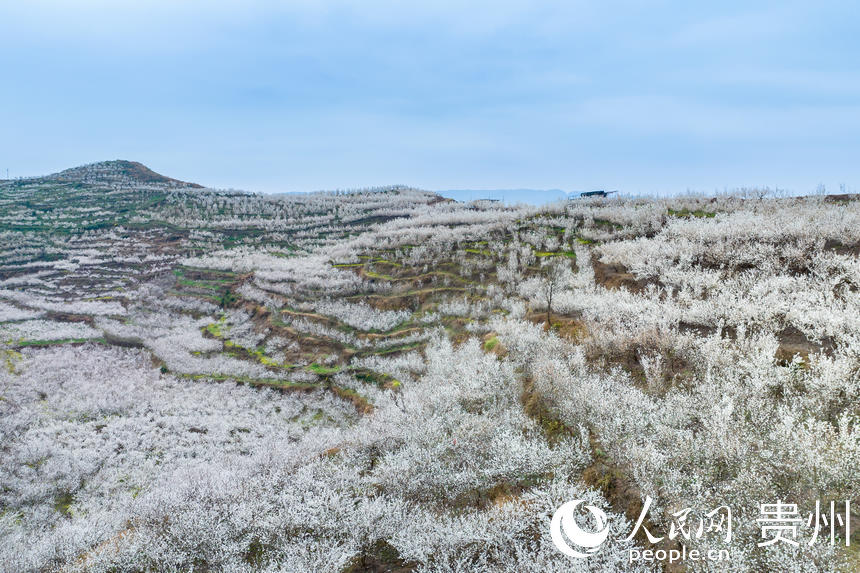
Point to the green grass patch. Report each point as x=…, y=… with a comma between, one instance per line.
x=698, y=213
x=216, y=328
x=63, y=503
x=375, y=275
x=491, y=343
x=376, y=378
x=204, y=284
x=568, y=254
x=322, y=370
x=387, y=262
x=10, y=359
x=268, y=382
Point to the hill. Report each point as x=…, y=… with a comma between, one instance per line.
x=384, y=380
x=119, y=172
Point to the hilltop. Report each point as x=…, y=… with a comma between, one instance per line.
x=118, y=172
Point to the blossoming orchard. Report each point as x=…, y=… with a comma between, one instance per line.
x=389, y=380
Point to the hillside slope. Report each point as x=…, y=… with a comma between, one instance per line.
x=118, y=172
x=382, y=380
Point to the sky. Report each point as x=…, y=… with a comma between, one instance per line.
x=656, y=97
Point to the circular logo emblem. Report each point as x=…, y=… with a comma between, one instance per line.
x=589, y=541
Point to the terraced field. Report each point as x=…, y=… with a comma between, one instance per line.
x=385, y=379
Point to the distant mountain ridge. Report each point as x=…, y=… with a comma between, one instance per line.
x=510, y=196
x=118, y=171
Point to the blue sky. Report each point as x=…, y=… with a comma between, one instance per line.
x=298, y=96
